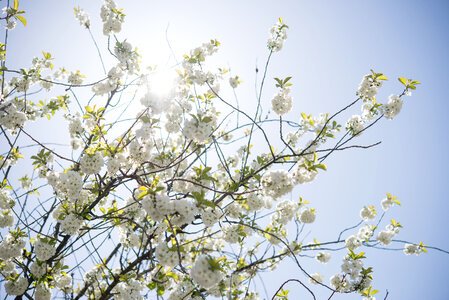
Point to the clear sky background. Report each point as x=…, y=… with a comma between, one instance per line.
x=330, y=46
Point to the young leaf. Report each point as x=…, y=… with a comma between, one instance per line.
x=22, y=19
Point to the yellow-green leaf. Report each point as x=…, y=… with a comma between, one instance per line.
x=402, y=80
x=22, y=19
x=16, y=4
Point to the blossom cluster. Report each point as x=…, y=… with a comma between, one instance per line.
x=11, y=247
x=352, y=278
x=278, y=35
x=204, y=274
x=385, y=236
x=82, y=16
x=277, y=183
x=282, y=101
x=44, y=249
x=112, y=17
x=392, y=107
x=92, y=163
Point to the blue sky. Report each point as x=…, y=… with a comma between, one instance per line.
x=331, y=45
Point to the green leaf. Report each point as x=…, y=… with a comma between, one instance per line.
x=321, y=166
x=22, y=19
x=402, y=80
x=382, y=77
x=145, y=119
x=16, y=4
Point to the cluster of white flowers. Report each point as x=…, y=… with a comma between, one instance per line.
x=166, y=257
x=355, y=125
x=127, y=236
x=22, y=84
x=11, y=247
x=42, y=292
x=10, y=116
x=353, y=242
x=292, y=138
x=353, y=279
x=140, y=150
x=368, y=213
x=282, y=101
x=302, y=173
x=184, y=211
x=112, y=17
x=369, y=111
x=114, y=163
x=71, y=224
x=199, y=54
x=392, y=107
x=234, y=210
x=195, y=70
x=210, y=216
x=93, y=278
x=323, y=257
x=234, y=81
x=102, y=88
x=114, y=75
x=203, y=273
x=17, y=286
x=232, y=233
x=26, y=183
x=368, y=88
x=278, y=35
x=285, y=211
x=11, y=24
x=173, y=114
x=82, y=16
x=92, y=163
x=6, y=202
x=76, y=128
x=127, y=57
x=75, y=78
x=366, y=232
x=43, y=249
x=129, y=290
x=63, y=282
x=307, y=216
x=339, y=283
x=199, y=128
x=255, y=201
x=46, y=84
x=277, y=183
x=157, y=206
x=38, y=269
x=6, y=219
x=386, y=203
x=8, y=269
x=410, y=249
x=69, y=183
x=385, y=236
